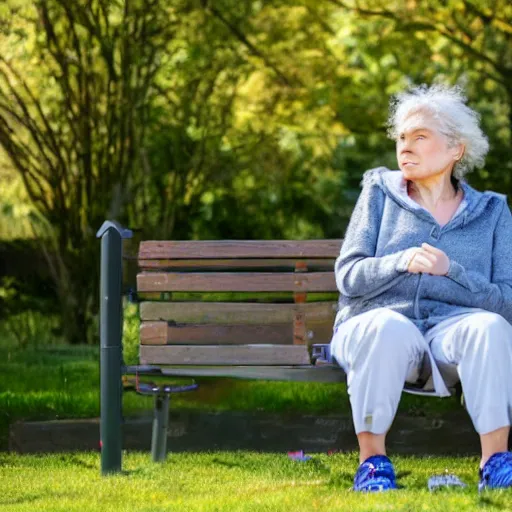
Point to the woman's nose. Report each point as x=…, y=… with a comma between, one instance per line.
x=403, y=146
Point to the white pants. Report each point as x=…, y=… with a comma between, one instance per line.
x=380, y=350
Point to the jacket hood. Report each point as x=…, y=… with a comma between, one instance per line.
x=394, y=185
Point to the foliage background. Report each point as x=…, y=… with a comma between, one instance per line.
x=195, y=119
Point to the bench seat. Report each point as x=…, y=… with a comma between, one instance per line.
x=302, y=373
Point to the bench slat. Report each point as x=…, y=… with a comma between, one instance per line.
x=241, y=264
x=235, y=312
x=236, y=282
x=160, y=333
x=306, y=373
x=225, y=355
x=216, y=249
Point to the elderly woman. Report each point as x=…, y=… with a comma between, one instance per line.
x=425, y=277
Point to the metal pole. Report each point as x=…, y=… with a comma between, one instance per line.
x=110, y=349
x=160, y=424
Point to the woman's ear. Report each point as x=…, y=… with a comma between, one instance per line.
x=458, y=152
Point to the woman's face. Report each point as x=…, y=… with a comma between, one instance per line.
x=422, y=151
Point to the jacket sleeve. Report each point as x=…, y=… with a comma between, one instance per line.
x=358, y=272
x=493, y=295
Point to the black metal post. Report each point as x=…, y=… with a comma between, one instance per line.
x=111, y=362
x=160, y=425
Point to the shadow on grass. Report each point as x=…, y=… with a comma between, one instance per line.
x=341, y=480
x=227, y=464
x=319, y=465
x=486, y=501
x=22, y=500
x=75, y=459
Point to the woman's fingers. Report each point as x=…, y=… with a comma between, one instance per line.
x=432, y=250
x=442, y=261
x=430, y=256
x=429, y=260
x=424, y=261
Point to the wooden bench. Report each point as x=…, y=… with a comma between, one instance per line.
x=240, y=309
x=258, y=307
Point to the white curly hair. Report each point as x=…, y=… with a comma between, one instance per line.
x=454, y=119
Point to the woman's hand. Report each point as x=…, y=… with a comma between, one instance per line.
x=429, y=260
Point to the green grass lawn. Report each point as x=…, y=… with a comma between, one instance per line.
x=63, y=382
x=224, y=481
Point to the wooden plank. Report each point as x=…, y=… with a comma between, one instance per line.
x=235, y=282
x=161, y=333
x=218, y=249
x=303, y=373
x=319, y=331
x=153, y=333
x=235, y=312
x=225, y=355
x=235, y=264
x=299, y=319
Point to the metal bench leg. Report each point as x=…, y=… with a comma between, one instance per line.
x=111, y=351
x=160, y=424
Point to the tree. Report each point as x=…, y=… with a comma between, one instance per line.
x=223, y=119
x=467, y=42
x=74, y=128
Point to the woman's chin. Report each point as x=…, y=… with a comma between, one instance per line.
x=409, y=172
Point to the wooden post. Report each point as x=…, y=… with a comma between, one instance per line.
x=299, y=320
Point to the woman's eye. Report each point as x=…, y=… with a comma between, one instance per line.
x=420, y=137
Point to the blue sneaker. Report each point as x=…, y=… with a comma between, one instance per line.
x=497, y=472
x=375, y=474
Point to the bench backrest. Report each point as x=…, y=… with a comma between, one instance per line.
x=235, y=302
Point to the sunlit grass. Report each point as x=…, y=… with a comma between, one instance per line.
x=60, y=381
x=224, y=481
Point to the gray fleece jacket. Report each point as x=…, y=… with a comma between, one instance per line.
x=371, y=270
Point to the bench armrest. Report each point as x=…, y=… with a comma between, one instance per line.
x=112, y=224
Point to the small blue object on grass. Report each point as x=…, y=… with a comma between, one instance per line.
x=445, y=481
x=299, y=456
